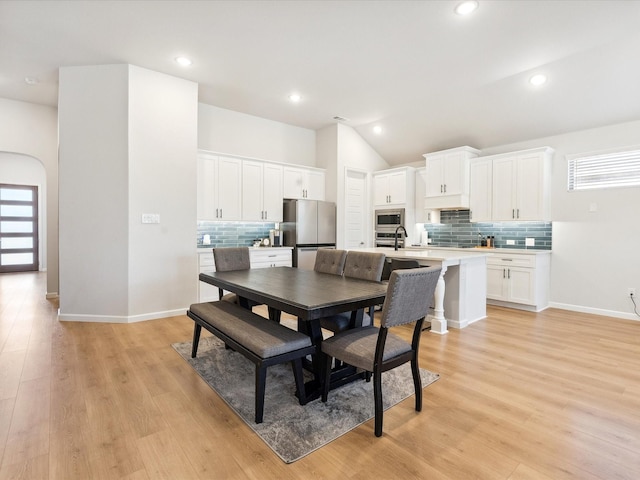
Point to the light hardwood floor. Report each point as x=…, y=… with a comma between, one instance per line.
x=522, y=396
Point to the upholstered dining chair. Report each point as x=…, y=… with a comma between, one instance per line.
x=376, y=349
x=363, y=265
x=330, y=260
x=401, y=263
x=228, y=259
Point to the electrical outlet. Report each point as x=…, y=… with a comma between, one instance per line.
x=631, y=292
x=529, y=242
x=511, y=242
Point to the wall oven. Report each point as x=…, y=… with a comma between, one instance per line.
x=386, y=221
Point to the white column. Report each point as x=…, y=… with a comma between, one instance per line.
x=438, y=322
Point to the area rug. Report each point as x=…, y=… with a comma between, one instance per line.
x=289, y=429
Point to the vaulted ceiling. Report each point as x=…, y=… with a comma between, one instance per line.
x=430, y=78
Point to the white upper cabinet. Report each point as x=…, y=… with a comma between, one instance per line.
x=424, y=215
x=303, y=183
x=261, y=191
x=480, y=195
x=219, y=187
x=447, y=177
x=520, y=190
x=394, y=187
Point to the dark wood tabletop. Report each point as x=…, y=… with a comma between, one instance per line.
x=306, y=294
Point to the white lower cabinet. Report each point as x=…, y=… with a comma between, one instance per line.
x=519, y=280
x=260, y=258
x=270, y=257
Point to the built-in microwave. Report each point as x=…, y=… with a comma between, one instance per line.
x=389, y=219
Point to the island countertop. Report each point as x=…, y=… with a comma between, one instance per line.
x=446, y=257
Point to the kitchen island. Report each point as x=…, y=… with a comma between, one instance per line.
x=461, y=295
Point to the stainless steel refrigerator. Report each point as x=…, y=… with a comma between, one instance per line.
x=307, y=226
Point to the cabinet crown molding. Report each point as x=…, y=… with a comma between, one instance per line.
x=466, y=148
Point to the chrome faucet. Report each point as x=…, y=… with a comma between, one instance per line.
x=395, y=243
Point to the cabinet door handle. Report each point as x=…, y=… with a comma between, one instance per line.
x=518, y=212
x=445, y=188
x=441, y=188
x=508, y=273
x=513, y=213
x=220, y=213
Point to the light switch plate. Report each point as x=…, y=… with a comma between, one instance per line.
x=529, y=242
x=150, y=218
x=511, y=242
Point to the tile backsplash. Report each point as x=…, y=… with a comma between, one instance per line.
x=232, y=234
x=456, y=230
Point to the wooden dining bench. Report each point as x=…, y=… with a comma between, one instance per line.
x=259, y=339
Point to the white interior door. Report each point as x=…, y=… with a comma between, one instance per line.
x=356, y=225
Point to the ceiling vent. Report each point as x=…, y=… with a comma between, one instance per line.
x=340, y=119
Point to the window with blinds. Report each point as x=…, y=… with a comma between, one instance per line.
x=606, y=170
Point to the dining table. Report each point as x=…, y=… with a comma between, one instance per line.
x=309, y=296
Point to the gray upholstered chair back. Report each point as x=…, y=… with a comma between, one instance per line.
x=330, y=260
x=364, y=265
x=228, y=259
x=400, y=263
x=409, y=295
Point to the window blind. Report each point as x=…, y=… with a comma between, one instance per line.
x=609, y=170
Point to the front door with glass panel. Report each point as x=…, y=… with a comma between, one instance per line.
x=18, y=228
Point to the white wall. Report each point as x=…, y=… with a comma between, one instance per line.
x=226, y=131
x=163, y=150
x=127, y=146
x=32, y=130
x=25, y=170
x=595, y=254
x=341, y=147
x=93, y=162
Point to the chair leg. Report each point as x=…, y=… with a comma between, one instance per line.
x=417, y=383
x=377, y=397
x=261, y=379
x=296, y=366
x=196, y=339
x=327, y=377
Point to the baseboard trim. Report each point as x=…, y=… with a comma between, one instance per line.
x=595, y=311
x=118, y=318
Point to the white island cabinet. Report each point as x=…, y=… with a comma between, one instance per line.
x=461, y=295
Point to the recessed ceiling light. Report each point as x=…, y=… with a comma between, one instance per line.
x=31, y=80
x=377, y=129
x=295, y=97
x=465, y=8
x=183, y=61
x=538, y=80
